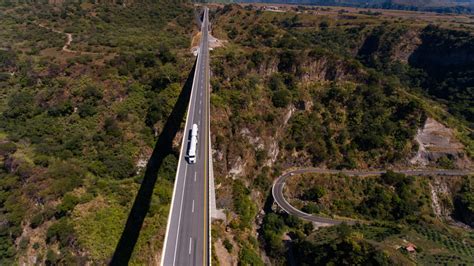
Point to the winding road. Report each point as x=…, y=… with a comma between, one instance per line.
x=279, y=185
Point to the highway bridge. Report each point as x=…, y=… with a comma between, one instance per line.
x=187, y=236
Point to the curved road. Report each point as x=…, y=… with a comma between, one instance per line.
x=279, y=184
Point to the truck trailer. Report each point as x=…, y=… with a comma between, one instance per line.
x=192, y=145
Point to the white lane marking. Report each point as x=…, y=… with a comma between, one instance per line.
x=180, y=211
x=190, y=244
x=192, y=209
x=195, y=174
x=199, y=111
x=191, y=106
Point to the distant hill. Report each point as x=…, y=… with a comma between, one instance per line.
x=440, y=6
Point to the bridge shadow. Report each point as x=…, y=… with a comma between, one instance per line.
x=163, y=148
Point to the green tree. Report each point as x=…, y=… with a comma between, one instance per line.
x=21, y=105
x=281, y=98
x=243, y=204
x=314, y=193
x=248, y=257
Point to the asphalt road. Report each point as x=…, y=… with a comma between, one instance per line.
x=279, y=185
x=187, y=232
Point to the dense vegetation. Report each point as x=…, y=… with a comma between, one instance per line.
x=393, y=210
x=441, y=65
x=314, y=90
x=464, y=203
x=448, y=76
x=75, y=123
x=289, y=89
x=348, y=248
x=357, y=116
x=392, y=197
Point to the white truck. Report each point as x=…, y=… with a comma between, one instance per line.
x=192, y=144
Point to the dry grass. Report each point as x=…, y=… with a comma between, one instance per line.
x=343, y=15
x=196, y=39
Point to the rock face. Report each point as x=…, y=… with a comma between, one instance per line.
x=439, y=190
x=448, y=200
x=436, y=141
x=407, y=45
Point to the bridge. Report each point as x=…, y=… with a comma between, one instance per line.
x=187, y=239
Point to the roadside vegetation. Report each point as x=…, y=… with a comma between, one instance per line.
x=78, y=126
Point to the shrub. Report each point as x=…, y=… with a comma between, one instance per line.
x=281, y=98
x=311, y=208
x=67, y=205
x=228, y=245
x=61, y=231
x=119, y=166
x=314, y=193
x=65, y=177
x=21, y=106
x=37, y=220
x=243, y=204
x=248, y=257
x=87, y=109
x=7, y=148
x=52, y=258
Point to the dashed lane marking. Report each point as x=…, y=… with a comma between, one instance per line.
x=190, y=244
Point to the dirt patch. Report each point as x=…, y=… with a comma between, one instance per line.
x=225, y=258
x=36, y=244
x=60, y=55
x=195, y=43
x=215, y=43
x=196, y=39
x=436, y=141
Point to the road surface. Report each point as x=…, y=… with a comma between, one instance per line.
x=279, y=185
x=187, y=232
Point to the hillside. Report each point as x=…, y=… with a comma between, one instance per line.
x=85, y=89
x=88, y=89
x=394, y=211
x=438, y=6
x=329, y=89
